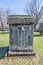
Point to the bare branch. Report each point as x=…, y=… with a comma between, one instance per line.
x=32, y=8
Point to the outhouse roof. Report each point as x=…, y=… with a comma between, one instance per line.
x=20, y=19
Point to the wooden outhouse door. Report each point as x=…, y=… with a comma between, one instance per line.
x=21, y=37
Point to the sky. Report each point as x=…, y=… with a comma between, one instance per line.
x=16, y=6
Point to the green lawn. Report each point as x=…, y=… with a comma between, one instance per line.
x=36, y=60
x=4, y=40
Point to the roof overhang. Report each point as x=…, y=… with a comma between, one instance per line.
x=20, y=19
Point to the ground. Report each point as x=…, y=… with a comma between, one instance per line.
x=21, y=60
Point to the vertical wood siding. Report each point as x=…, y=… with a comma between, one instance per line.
x=21, y=37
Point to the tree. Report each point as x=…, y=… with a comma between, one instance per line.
x=3, y=17
x=32, y=8
x=1, y=20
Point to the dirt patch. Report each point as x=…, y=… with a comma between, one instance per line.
x=21, y=60
x=36, y=58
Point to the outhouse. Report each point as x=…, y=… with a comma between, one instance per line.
x=21, y=29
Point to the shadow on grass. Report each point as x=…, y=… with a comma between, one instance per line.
x=38, y=35
x=3, y=51
x=4, y=32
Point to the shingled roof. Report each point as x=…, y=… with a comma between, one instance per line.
x=20, y=19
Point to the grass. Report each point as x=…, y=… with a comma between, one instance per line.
x=4, y=40
x=36, y=60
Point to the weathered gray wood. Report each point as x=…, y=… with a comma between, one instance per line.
x=21, y=39
x=21, y=36
x=20, y=19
